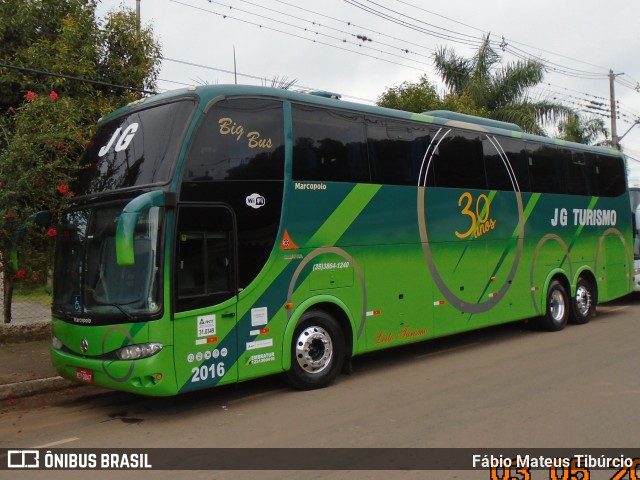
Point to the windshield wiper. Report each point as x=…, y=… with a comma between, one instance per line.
x=59, y=309
x=122, y=310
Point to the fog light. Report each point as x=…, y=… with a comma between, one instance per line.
x=56, y=342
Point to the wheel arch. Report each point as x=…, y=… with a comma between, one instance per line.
x=561, y=276
x=330, y=305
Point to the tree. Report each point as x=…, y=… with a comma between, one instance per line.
x=412, y=97
x=498, y=93
x=584, y=130
x=61, y=70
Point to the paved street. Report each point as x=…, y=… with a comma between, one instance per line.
x=507, y=386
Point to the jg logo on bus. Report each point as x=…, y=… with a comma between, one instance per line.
x=121, y=140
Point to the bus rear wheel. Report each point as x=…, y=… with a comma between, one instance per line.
x=584, y=303
x=558, y=306
x=317, y=351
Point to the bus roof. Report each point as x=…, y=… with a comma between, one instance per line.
x=208, y=93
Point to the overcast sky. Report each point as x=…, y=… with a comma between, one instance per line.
x=359, y=48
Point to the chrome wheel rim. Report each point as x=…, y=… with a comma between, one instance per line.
x=314, y=349
x=557, y=306
x=583, y=301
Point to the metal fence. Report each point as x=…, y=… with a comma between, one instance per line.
x=30, y=303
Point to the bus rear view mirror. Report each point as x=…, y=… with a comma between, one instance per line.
x=126, y=228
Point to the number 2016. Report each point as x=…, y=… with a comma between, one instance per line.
x=204, y=372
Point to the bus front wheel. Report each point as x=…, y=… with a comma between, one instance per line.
x=558, y=306
x=317, y=351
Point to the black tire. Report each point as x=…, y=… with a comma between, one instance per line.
x=558, y=306
x=317, y=351
x=583, y=304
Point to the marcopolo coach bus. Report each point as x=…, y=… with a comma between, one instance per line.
x=223, y=233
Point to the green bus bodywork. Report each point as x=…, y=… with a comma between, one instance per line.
x=372, y=265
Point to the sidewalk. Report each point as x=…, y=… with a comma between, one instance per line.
x=25, y=366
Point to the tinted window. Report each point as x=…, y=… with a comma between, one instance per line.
x=238, y=139
x=610, y=176
x=205, y=257
x=546, y=168
x=580, y=171
x=137, y=149
x=457, y=161
x=328, y=145
x=505, y=164
x=396, y=150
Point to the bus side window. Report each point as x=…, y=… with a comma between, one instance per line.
x=458, y=161
x=328, y=145
x=546, y=169
x=396, y=150
x=610, y=176
x=506, y=164
x=579, y=172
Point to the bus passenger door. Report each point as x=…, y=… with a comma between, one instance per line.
x=205, y=296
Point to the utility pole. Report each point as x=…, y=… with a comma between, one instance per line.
x=612, y=94
x=138, y=18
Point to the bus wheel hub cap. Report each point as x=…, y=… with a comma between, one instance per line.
x=314, y=349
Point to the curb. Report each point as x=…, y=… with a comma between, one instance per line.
x=21, y=333
x=33, y=387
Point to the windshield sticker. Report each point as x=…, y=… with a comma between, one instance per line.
x=256, y=200
x=123, y=142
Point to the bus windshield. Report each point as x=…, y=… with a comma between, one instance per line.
x=136, y=149
x=91, y=287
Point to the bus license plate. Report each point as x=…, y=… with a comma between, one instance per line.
x=84, y=375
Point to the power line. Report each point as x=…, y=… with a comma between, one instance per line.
x=260, y=25
x=246, y=75
x=72, y=77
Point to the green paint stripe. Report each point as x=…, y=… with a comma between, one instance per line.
x=592, y=203
x=330, y=231
x=528, y=210
x=591, y=206
x=344, y=215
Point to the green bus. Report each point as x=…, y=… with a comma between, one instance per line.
x=223, y=233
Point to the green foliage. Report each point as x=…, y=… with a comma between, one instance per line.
x=412, y=97
x=47, y=120
x=584, y=130
x=480, y=86
x=498, y=92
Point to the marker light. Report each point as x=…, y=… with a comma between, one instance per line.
x=136, y=352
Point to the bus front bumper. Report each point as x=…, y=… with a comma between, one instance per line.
x=153, y=375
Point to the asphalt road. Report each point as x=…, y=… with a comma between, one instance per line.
x=508, y=386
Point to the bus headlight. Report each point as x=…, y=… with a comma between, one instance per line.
x=136, y=352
